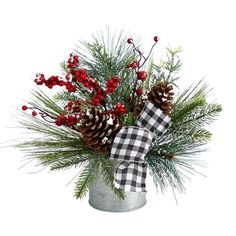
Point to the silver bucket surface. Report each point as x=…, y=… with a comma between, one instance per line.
x=101, y=197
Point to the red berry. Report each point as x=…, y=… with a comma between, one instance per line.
x=142, y=75
x=58, y=122
x=34, y=113
x=24, y=108
x=135, y=64
x=115, y=79
x=112, y=84
x=132, y=65
x=156, y=39
x=81, y=75
x=129, y=40
x=70, y=104
x=139, y=92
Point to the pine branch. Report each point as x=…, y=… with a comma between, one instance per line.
x=63, y=97
x=191, y=109
x=43, y=102
x=199, y=90
x=181, y=144
x=172, y=173
x=182, y=109
x=164, y=173
x=200, y=116
x=72, y=161
x=106, y=56
x=108, y=170
x=86, y=178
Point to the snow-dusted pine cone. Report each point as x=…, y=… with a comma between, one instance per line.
x=161, y=95
x=98, y=129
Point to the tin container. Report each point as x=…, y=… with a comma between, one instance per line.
x=101, y=197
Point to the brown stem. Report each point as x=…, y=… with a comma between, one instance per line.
x=43, y=113
x=139, y=66
x=148, y=54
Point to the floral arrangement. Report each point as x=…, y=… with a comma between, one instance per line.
x=115, y=103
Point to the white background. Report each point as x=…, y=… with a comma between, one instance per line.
x=37, y=35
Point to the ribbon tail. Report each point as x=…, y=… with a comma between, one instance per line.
x=131, y=176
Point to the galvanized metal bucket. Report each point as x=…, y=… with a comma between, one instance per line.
x=101, y=197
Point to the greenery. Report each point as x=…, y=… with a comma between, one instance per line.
x=184, y=138
x=61, y=148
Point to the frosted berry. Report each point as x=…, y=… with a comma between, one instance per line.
x=24, y=108
x=139, y=92
x=34, y=113
x=120, y=109
x=129, y=40
x=142, y=75
x=156, y=39
x=133, y=65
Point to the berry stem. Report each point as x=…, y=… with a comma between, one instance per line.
x=141, y=56
x=43, y=114
x=133, y=94
x=149, y=54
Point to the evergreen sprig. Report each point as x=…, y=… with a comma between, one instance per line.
x=86, y=178
x=106, y=56
x=166, y=70
x=107, y=168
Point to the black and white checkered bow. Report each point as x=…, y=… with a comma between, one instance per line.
x=131, y=145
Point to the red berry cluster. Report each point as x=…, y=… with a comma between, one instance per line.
x=73, y=106
x=40, y=79
x=53, y=81
x=78, y=75
x=73, y=63
x=112, y=84
x=98, y=97
x=74, y=75
x=82, y=77
x=119, y=109
x=68, y=120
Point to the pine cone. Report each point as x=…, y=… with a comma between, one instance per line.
x=161, y=95
x=98, y=129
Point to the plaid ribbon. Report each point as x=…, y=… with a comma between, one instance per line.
x=131, y=145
